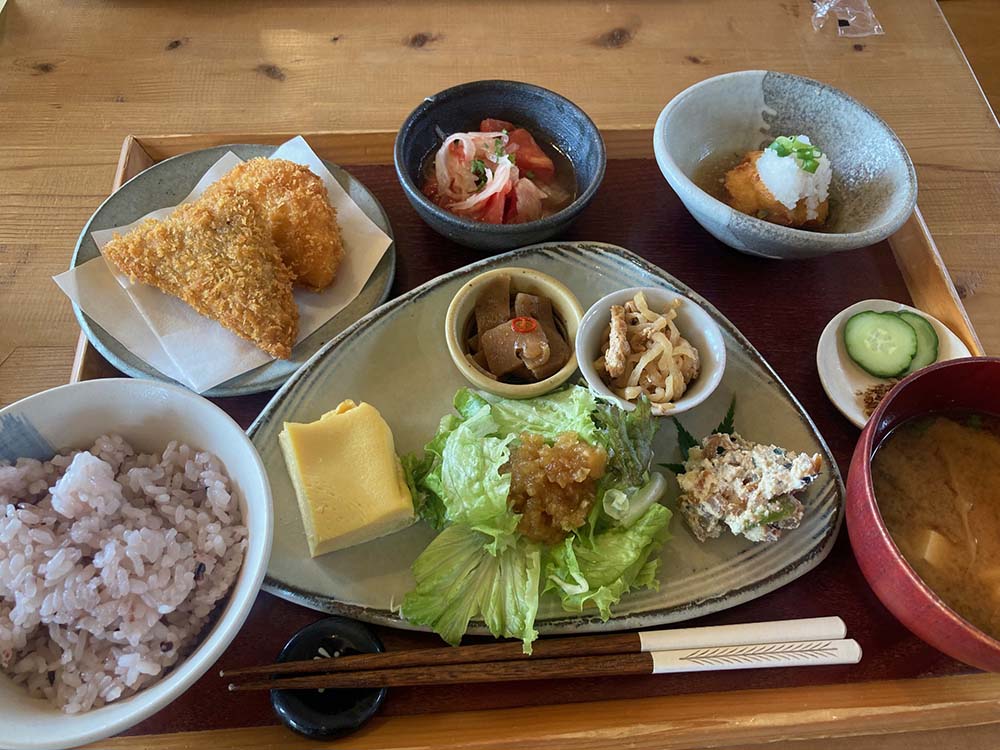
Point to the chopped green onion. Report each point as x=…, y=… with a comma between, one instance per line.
x=782, y=145
x=806, y=154
x=479, y=170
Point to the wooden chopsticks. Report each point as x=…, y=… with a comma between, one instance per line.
x=806, y=642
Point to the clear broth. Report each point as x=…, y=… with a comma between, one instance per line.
x=710, y=173
x=937, y=482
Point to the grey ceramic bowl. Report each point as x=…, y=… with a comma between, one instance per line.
x=461, y=108
x=874, y=186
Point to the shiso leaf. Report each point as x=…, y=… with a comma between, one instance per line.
x=726, y=427
x=685, y=439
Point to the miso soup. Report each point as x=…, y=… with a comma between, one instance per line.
x=937, y=483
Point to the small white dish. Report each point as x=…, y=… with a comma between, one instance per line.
x=694, y=323
x=843, y=380
x=147, y=414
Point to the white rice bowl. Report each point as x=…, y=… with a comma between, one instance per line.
x=147, y=522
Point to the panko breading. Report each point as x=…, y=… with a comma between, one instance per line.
x=296, y=207
x=749, y=195
x=218, y=256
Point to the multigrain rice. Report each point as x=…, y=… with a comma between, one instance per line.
x=111, y=565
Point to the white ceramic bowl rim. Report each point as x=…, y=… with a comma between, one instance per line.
x=723, y=210
x=69, y=730
x=708, y=379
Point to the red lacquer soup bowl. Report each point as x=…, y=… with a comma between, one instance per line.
x=972, y=383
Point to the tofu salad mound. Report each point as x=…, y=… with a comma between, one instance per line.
x=727, y=481
x=550, y=495
x=112, y=563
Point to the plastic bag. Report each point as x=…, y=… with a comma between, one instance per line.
x=854, y=17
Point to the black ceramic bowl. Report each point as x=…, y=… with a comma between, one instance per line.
x=546, y=114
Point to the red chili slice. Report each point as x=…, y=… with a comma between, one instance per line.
x=523, y=324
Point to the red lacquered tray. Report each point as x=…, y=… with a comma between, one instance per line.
x=781, y=306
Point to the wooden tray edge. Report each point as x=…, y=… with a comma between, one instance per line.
x=928, y=280
x=750, y=718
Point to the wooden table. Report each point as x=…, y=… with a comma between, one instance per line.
x=75, y=80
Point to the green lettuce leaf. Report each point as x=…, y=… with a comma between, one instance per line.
x=568, y=410
x=458, y=579
x=473, y=490
x=426, y=503
x=600, y=570
x=628, y=438
x=423, y=475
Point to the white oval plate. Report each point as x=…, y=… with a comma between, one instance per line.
x=396, y=359
x=843, y=380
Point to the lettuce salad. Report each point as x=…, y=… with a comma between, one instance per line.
x=479, y=566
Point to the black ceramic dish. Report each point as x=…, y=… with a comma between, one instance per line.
x=328, y=713
x=461, y=108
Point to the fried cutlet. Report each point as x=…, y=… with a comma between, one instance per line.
x=749, y=195
x=218, y=256
x=297, y=209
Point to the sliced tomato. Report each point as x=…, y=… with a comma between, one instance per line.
x=529, y=157
x=492, y=212
x=510, y=210
x=490, y=125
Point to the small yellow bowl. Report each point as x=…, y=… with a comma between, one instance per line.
x=565, y=306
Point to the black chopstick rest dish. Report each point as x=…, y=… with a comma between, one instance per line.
x=325, y=714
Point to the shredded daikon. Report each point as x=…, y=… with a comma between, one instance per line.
x=658, y=361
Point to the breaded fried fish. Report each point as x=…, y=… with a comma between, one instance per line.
x=219, y=257
x=297, y=208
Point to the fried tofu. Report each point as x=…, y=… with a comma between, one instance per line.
x=218, y=256
x=749, y=195
x=616, y=357
x=297, y=210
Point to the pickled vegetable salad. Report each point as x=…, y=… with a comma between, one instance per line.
x=480, y=565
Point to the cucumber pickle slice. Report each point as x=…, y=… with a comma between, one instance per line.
x=927, y=341
x=882, y=344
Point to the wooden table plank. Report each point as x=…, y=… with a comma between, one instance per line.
x=75, y=79
x=975, y=24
